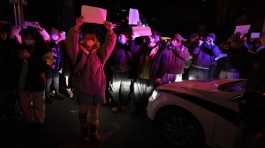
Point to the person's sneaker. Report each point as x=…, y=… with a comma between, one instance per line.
x=70, y=92
x=53, y=93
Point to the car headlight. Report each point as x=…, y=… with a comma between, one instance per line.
x=153, y=96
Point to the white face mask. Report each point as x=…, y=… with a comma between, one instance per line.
x=29, y=42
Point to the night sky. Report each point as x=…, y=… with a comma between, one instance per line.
x=167, y=16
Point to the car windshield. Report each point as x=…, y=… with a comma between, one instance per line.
x=235, y=86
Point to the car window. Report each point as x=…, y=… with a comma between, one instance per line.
x=237, y=86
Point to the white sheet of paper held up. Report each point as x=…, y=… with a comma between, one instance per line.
x=134, y=17
x=93, y=14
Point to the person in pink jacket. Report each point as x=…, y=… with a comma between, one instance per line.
x=89, y=58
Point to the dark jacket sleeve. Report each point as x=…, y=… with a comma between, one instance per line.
x=155, y=67
x=196, y=50
x=72, y=44
x=216, y=51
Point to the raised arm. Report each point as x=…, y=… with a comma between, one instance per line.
x=45, y=35
x=15, y=34
x=72, y=41
x=109, y=44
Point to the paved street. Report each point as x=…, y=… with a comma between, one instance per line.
x=62, y=129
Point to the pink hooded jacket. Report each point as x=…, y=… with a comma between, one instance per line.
x=90, y=66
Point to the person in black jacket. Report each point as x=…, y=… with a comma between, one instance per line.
x=9, y=73
x=36, y=62
x=257, y=75
x=120, y=65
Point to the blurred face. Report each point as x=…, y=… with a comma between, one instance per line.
x=123, y=39
x=209, y=39
x=89, y=41
x=55, y=36
x=63, y=35
x=176, y=43
x=29, y=40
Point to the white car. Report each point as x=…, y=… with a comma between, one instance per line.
x=192, y=113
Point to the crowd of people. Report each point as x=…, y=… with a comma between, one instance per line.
x=35, y=61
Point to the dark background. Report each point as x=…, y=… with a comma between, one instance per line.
x=166, y=16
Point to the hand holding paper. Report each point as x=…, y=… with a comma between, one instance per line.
x=108, y=25
x=243, y=29
x=79, y=22
x=139, y=31
x=134, y=17
x=133, y=36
